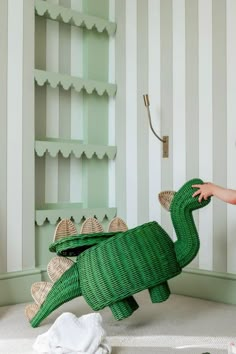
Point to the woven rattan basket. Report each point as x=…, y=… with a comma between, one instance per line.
x=122, y=263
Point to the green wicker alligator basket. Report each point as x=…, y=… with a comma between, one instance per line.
x=113, y=266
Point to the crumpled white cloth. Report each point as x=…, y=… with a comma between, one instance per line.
x=74, y=335
x=232, y=348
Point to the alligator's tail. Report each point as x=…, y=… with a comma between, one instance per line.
x=49, y=296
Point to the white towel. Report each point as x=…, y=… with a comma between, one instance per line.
x=72, y=335
x=232, y=348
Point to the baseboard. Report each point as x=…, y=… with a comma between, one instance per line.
x=208, y=285
x=15, y=287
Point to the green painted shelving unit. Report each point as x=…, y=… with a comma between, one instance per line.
x=66, y=147
x=76, y=83
x=75, y=18
x=93, y=149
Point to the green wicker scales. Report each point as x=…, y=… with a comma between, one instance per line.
x=74, y=245
x=112, y=267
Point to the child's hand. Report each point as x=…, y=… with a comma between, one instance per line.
x=204, y=191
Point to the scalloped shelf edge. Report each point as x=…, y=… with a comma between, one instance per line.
x=53, y=216
x=66, y=149
x=54, y=79
x=69, y=16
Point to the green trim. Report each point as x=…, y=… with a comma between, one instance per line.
x=75, y=18
x=220, y=287
x=78, y=149
x=208, y=285
x=77, y=214
x=15, y=287
x=54, y=79
x=19, y=274
x=53, y=206
x=221, y=275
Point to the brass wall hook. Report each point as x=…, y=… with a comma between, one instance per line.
x=165, y=139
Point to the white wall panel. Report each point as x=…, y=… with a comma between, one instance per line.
x=179, y=78
x=28, y=128
x=154, y=82
x=3, y=133
x=14, y=135
x=205, y=127
x=231, y=129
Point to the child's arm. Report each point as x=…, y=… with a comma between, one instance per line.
x=207, y=190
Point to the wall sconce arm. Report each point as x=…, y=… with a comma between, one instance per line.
x=165, y=139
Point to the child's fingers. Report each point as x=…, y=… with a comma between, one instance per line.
x=196, y=185
x=196, y=193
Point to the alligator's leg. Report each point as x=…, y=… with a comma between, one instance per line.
x=159, y=293
x=66, y=288
x=124, y=308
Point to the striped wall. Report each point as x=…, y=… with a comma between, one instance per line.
x=3, y=131
x=17, y=136
x=231, y=113
x=182, y=53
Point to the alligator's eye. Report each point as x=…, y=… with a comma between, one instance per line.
x=165, y=198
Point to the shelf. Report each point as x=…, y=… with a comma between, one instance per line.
x=75, y=18
x=71, y=211
x=67, y=82
x=67, y=147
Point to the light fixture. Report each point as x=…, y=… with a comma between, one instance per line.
x=164, y=139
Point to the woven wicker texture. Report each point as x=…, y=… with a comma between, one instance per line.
x=181, y=208
x=145, y=257
x=74, y=245
x=64, y=289
x=40, y=290
x=64, y=228
x=91, y=225
x=137, y=259
x=91, y=234
x=117, y=224
x=31, y=310
x=57, y=266
x=165, y=198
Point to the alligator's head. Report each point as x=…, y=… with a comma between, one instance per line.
x=181, y=205
x=170, y=200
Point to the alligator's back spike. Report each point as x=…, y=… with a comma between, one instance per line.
x=117, y=224
x=64, y=228
x=91, y=225
x=57, y=266
x=165, y=198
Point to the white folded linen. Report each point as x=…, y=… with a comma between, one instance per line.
x=74, y=335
